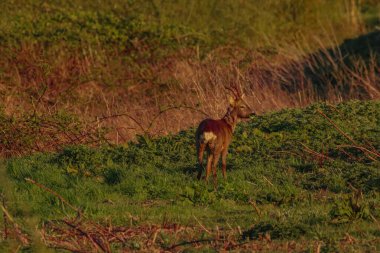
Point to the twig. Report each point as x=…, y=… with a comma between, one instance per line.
x=318, y=250
x=20, y=235
x=269, y=182
x=6, y=213
x=362, y=149
x=94, y=242
x=375, y=220
x=346, y=153
x=55, y=194
x=147, y=130
x=310, y=151
x=121, y=115
x=352, y=187
x=173, y=108
x=4, y=218
x=200, y=224
x=253, y=203
x=336, y=127
x=239, y=229
x=349, y=138
x=39, y=100
x=155, y=235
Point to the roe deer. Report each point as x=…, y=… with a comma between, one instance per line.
x=215, y=136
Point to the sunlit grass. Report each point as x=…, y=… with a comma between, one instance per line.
x=295, y=194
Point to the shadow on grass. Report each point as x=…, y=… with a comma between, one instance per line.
x=276, y=231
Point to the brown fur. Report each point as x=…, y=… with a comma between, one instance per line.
x=215, y=136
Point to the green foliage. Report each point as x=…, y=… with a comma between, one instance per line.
x=200, y=194
x=296, y=194
x=176, y=23
x=80, y=160
x=349, y=209
x=25, y=134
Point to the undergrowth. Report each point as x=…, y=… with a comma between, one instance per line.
x=93, y=113
x=207, y=24
x=291, y=175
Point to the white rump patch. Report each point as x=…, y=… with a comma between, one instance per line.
x=208, y=136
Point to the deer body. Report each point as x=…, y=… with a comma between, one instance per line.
x=215, y=136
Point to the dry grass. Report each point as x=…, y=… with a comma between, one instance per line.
x=77, y=235
x=168, y=95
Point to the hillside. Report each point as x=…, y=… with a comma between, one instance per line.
x=92, y=72
x=297, y=178
x=99, y=101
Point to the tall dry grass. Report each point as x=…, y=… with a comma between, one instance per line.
x=194, y=88
x=175, y=93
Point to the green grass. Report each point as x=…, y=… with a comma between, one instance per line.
x=116, y=44
x=208, y=24
x=298, y=195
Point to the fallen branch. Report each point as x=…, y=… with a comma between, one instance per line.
x=362, y=149
x=315, y=153
x=253, y=203
x=336, y=127
x=79, y=212
x=17, y=230
x=269, y=182
x=83, y=232
x=355, y=145
x=5, y=220
x=200, y=224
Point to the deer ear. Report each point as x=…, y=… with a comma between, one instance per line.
x=231, y=100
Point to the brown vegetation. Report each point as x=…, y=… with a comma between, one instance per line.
x=158, y=97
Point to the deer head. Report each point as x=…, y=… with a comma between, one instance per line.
x=238, y=107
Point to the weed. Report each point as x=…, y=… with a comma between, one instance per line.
x=349, y=209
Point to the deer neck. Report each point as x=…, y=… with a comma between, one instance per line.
x=231, y=119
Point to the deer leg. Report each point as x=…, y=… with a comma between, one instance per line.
x=224, y=163
x=214, y=164
x=209, y=164
x=201, y=149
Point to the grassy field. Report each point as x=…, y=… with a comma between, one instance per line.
x=182, y=23
x=97, y=141
x=307, y=177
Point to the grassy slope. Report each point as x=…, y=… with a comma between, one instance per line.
x=298, y=195
x=205, y=23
